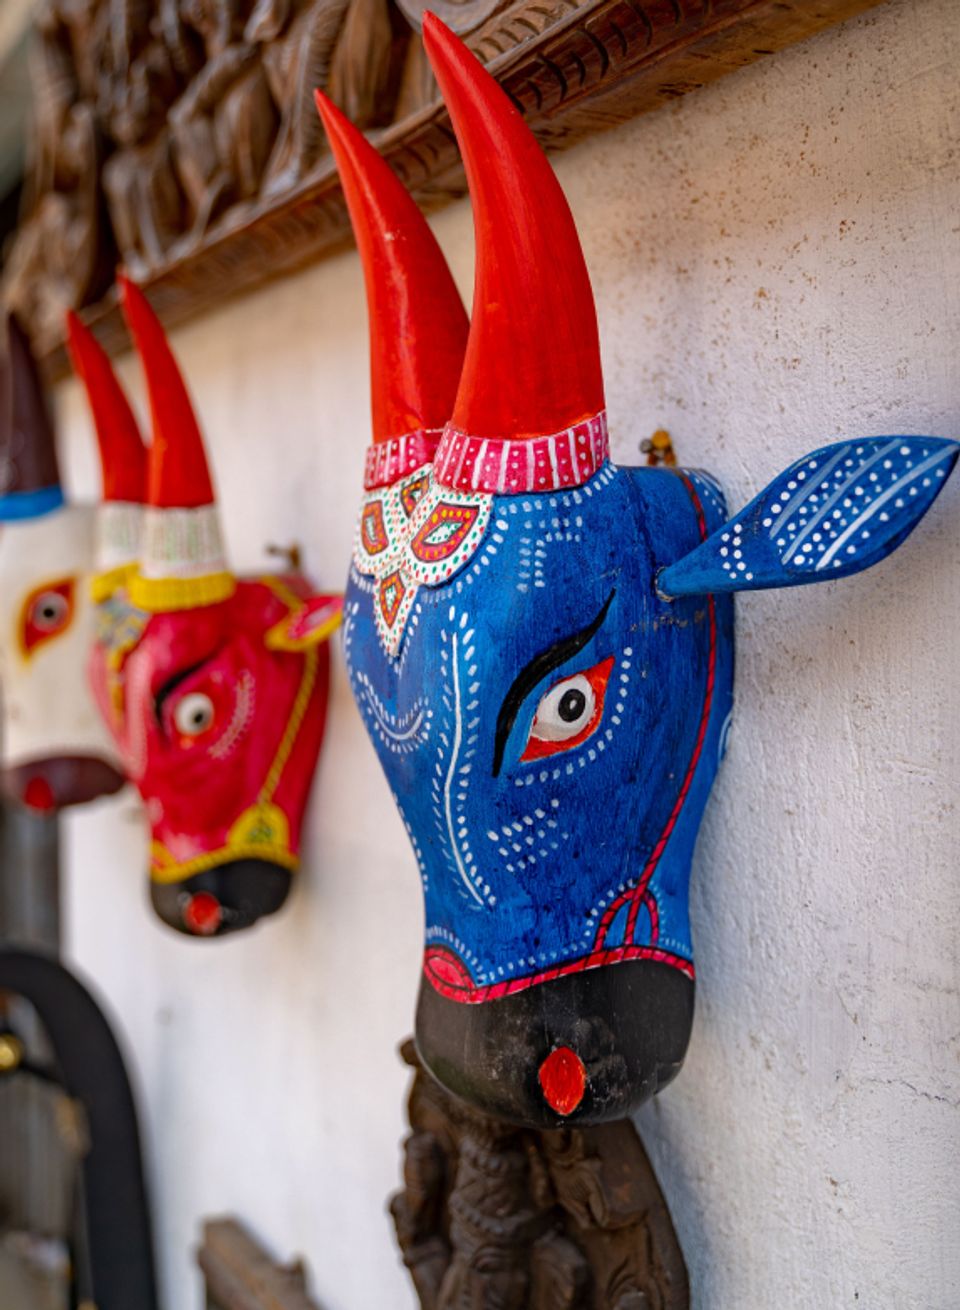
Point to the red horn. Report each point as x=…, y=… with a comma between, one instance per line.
x=122, y=454
x=178, y=475
x=418, y=325
x=533, y=357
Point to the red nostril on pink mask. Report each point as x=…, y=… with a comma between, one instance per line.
x=563, y=1080
x=38, y=795
x=203, y=914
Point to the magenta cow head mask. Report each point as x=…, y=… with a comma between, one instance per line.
x=214, y=687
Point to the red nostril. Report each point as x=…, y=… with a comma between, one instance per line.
x=202, y=914
x=38, y=794
x=563, y=1079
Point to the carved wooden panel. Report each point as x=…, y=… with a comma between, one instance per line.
x=179, y=136
x=493, y=1217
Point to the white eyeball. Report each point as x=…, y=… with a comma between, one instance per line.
x=194, y=714
x=49, y=611
x=565, y=710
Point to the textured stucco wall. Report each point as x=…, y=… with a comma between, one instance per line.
x=777, y=263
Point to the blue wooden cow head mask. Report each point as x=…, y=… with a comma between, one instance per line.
x=541, y=643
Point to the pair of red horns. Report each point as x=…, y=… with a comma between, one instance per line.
x=173, y=472
x=528, y=364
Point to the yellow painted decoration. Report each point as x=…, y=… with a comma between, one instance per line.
x=279, y=636
x=162, y=595
x=106, y=584
x=263, y=824
x=261, y=833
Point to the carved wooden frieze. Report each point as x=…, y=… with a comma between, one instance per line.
x=178, y=137
x=500, y=1218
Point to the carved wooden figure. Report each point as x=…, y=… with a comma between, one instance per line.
x=297, y=39
x=57, y=257
x=55, y=750
x=145, y=198
x=214, y=687
x=225, y=122
x=494, y=1217
x=541, y=642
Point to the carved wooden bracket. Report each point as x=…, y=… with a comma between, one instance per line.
x=184, y=143
x=500, y=1218
x=239, y=1275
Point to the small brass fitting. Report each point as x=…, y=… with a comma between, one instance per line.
x=292, y=555
x=659, y=449
x=11, y=1052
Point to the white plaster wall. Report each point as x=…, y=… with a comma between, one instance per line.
x=777, y=263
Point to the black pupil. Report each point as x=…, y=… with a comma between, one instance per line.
x=49, y=611
x=572, y=704
x=199, y=716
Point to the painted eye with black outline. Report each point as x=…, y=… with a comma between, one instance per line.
x=47, y=612
x=194, y=715
x=569, y=712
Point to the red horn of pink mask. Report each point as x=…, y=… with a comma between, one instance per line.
x=123, y=462
x=182, y=559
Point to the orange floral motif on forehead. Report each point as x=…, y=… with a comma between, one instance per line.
x=443, y=532
x=390, y=595
x=412, y=492
x=372, y=528
x=394, y=600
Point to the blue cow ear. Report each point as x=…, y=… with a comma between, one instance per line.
x=832, y=513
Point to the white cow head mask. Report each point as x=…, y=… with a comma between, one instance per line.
x=55, y=750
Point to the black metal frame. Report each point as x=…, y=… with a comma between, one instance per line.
x=88, y=1066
